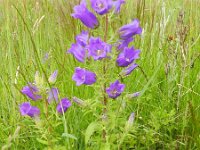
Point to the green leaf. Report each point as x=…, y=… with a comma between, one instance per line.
x=90, y=130
x=42, y=141
x=69, y=136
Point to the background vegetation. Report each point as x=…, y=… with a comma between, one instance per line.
x=168, y=109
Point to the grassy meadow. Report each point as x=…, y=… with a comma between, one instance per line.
x=167, y=112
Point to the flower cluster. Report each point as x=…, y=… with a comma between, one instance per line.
x=87, y=47
x=34, y=92
x=101, y=7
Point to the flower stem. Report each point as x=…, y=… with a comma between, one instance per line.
x=104, y=85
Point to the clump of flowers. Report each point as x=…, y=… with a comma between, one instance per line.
x=35, y=92
x=89, y=49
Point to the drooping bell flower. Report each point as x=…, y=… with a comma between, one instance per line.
x=117, y=5
x=52, y=95
x=128, y=70
x=101, y=6
x=98, y=49
x=127, y=56
x=83, y=76
x=87, y=18
x=27, y=109
x=124, y=43
x=53, y=77
x=78, y=51
x=82, y=39
x=31, y=91
x=115, y=89
x=63, y=105
x=131, y=29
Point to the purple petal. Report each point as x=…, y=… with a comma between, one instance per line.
x=128, y=70
x=33, y=112
x=127, y=56
x=78, y=51
x=83, y=76
x=82, y=39
x=101, y=6
x=98, y=49
x=31, y=91
x=117, y=4
x=27, y=109
x=124, y=43
x=87, y=18
x=63, y=105
x=115, y=89
x=24, y=108
x=129, y=30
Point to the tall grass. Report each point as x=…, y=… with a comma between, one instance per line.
x=167, y=111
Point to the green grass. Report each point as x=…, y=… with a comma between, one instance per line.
x=167, y=112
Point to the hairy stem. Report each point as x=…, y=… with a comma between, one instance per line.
x=104, y=85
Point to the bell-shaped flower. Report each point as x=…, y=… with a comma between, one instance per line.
x=63, y=105
x=129, y=30
x=78, y=51
x=83, y=76
x=128, y=70
x=117, y=5
x=87, y=18
x=31, y=91
x=101, y=6
x=27, y=110
x=127, y=56
x=124, y=43
x=115, y=89
x=82, y=39
x=98, y=49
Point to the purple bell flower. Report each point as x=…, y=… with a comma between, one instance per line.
x=115, y=89
x=87, y=18
x=63, y=105
x=52, y=95
x=129, y=69
x=124, y=43
x=101, y=6
x=117, y=5
x=83, y=76
x=127, y=56
x=129, y=30
x=82, y=39
x=78, y=51
x=98, y=49
x=31, y=91
x=27, y=109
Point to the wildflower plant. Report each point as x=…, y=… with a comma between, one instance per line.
x=103, y=61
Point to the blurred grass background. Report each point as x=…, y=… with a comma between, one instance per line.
x=168, y=115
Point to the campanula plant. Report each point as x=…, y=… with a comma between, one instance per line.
x=102, y=63
x=98, y=56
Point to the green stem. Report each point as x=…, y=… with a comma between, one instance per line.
x=104, y=85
